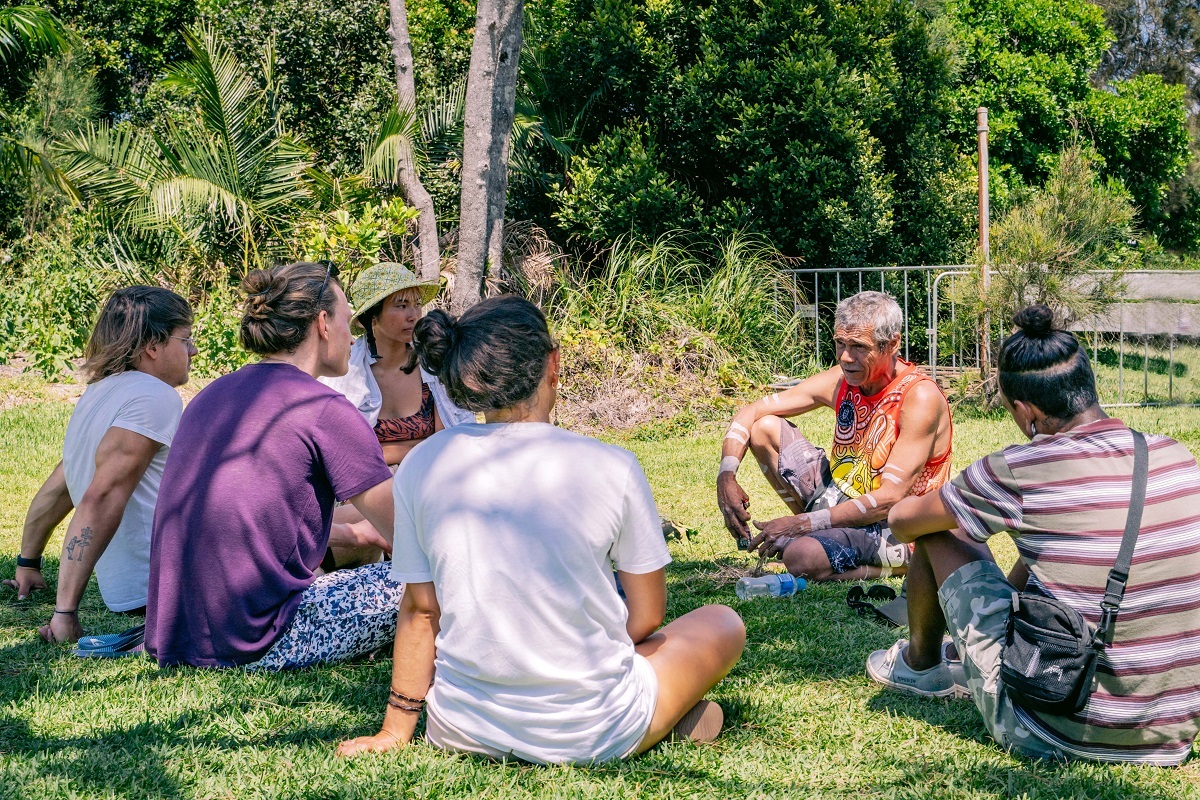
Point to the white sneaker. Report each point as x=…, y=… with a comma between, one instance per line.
x=889, y=668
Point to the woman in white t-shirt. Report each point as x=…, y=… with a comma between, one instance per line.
x=510, y=593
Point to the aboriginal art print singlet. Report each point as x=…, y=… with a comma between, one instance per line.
x=867, y=428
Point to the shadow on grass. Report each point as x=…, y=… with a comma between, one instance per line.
x=811, y=635
x=1012, y=775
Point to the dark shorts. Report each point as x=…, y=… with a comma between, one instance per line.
x=804, y=469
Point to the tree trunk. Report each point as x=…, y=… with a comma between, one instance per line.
x=425, y=253
x=488, y=119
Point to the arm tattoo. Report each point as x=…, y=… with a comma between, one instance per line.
x=79, y=543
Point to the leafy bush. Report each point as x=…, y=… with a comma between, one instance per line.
x=844, y=131
x=730, y=316
x=1140, y=130
x=619, y=186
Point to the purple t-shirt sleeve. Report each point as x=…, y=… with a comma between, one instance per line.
x=350, y=452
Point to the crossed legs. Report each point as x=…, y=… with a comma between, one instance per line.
x=805, y=556
x=690, y=655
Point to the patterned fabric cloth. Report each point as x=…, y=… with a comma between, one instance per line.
x=804, y=469
x=342, y=615
x=412, y=428
x=867, y=428
x=977, y=600
x=1064, y=498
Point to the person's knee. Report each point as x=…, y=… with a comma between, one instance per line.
x=727, y=627
x=805, y=558
x=764, y=439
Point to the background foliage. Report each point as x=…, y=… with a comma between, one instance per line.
x=838, y=132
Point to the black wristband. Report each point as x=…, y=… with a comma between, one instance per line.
x=29, y=563
x=74, y=612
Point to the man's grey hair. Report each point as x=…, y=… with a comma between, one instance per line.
x=875, y=309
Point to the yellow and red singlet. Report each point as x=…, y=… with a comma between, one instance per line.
x=867, y=428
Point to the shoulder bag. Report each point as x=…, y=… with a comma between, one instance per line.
x=1049, y=657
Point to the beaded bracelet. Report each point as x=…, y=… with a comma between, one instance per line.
x=395, y=698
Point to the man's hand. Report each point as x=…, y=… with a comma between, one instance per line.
x=734, y=504
x=379, y=743
x=777, y=534
x=26, y=580
x=62, y=628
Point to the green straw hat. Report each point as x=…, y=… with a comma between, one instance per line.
x=383, y=280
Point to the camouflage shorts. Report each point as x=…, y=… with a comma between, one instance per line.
x=977, y=600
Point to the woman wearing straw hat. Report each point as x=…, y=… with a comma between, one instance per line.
x=404, y=405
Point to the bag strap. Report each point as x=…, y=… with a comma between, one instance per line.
x=1115, y=590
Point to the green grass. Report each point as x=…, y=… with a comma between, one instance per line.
x=1170, y=377
x=803, y=720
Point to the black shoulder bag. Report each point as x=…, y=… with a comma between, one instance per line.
x=1049, y=656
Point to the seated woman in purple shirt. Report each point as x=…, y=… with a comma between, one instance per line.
x=245, y=509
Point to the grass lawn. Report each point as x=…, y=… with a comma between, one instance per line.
x=802, y=718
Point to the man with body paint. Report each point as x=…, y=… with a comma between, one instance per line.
x=891, y=440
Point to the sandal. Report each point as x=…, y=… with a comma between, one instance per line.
x=113, y=645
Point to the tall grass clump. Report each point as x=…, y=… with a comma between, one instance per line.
x=730, y=313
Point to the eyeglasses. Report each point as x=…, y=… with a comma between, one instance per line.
x=329, y=270
x=187, y=340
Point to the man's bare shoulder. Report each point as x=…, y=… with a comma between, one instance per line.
x=925, y=401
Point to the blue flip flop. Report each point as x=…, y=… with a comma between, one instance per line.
x=111, y=652
x=112, y=644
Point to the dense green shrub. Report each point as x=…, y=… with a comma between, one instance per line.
x=619, y=186
x=1140, y=130
x=844, y=131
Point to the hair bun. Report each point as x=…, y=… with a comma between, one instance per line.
x=434, y=338
x=1035, y=321
x=263, y=287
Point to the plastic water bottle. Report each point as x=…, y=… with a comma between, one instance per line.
x=774, y=585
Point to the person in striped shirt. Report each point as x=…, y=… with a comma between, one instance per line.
x=1063, y=497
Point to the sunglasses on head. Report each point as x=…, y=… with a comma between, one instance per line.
x=330, y=270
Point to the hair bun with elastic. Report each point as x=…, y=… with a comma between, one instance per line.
x=434, y=338
x=263, y=288
x=1035, y=321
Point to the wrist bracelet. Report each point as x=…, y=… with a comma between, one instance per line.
x=74, y=612
x=416, y=700
x=397, y=704
x=29, y=563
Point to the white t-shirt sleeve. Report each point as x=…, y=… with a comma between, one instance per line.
x=639, y=547
x=410, y=564
x=152, y=412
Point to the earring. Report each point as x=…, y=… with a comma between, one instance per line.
x=1032, y=428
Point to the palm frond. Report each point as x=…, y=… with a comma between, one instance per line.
x=442, y=122
x=25, y=28
x=394, y=144
x=113, y=166
x=229, y=101
x=30, y=159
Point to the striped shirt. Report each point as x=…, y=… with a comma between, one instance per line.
x=1064, y=499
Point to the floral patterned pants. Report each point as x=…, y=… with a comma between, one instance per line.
x=342, y=615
